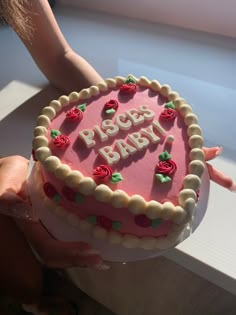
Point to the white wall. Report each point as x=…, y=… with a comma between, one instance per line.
x=214, y=16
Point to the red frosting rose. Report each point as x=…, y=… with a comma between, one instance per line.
x=128, y=88
x=104, y=222
x=112, y=104
x=74, y=114
x=49, y=190
x=166, y=167
x=103, y=173
x=61, y=141
x=168, y=114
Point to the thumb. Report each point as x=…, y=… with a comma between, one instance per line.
x=13, y=205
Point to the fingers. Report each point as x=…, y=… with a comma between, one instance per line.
x=211, y=153
x=13, y=171
x=55, y=253
x=11, y=204
x=220, y=178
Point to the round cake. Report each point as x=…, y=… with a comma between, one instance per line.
x=120, y=162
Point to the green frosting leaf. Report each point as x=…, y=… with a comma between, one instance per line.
x=110, y=111
x=130, y=80
x=92, y=219
x=164, y=156
x=82, y=107
x=54, y=133
x=116, y=225
x=156, y=222
x=163, y=178
x=116, y=177
x=56, y=198
x=170, y=105
x=79, y=198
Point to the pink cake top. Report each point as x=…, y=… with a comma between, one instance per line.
x=111, y=122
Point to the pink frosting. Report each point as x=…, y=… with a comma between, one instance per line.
x=138, y=170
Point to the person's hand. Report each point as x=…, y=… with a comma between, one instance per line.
x=13, y=201
x=214, y=174
x=55, y=253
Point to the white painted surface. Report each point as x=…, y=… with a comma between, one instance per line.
x=200, y=66
x=213, y=16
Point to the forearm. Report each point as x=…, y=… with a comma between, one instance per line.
x=53, y=55
x=70, y=72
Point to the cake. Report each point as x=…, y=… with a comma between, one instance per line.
x=120, y=162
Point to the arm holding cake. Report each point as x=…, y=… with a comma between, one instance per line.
x=66, y=70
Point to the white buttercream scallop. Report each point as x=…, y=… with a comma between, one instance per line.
x=154, y=209
x=130, y=241
x=194, y=130
x=84, y=94
x=51, y=163
x=40, y=131
x=184, y=195
x=185, y=109
x=60, y=212
x=195, y=141
x=73, y=220
x=99, y=233
x=119, y=199
x=168, y=210
x=85, y=226
x=103, y=193
x=190, y=205
x=178, y=102
x=155, y=85
x=62, y=171
x=87, y=186
x=196, y=167
x=192, y=181
x=64, y=100
x=94, y=90
x=56, y=105
x=179, y=215
x=73, y=179
x=147, y=243
x=120, y=80
x=74, y=97
x=39, y=141
x=165, y=90
x=49, y=111
x=114, y=237
x=111, y=83
x=190, y=119
x=197, y=154
x=42, y=153
x=165, y=243
x=143, y=81
x=137, y=204
x=43, y=120
x=173, y=96
x=102, y=86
